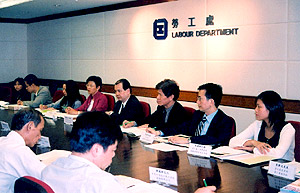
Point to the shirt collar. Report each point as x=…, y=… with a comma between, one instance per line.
x=124, y=104
x=18, y=138
x=210, y=117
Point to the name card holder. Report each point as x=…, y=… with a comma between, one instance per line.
x=147, y=138
x=5, y=126
x=200, y=150
x=282, y=170
x=68, y=120
x=199, y=162
x=163, y=176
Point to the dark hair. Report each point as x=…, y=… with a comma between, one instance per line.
x=96, y=79
x=125, y=83
x=73, y=94
x=91, y=128
x=213, y=91
x=169, y=87
x=32, y=79
x=20, y=81
x=274, y=104
x=23, y=117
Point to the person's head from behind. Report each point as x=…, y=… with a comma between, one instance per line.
x=93, y=84
x=122, y=90
x=209, y=97
x=29, y=124
x=31, y=82
x=269, y=108
x=19, y=84
x=168, y=92
x=95, y=134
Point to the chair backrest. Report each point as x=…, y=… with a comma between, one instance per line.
x=233, y=131
x=296, y=125
x=57, y=95
x=146, y=108
x=83, y=98
x=111, y=102
x=27, y=184
x=5, y=94
x=189, y=112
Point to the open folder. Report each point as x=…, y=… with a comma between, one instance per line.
x=228, y=153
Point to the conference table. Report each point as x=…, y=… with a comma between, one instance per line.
x=133, y=159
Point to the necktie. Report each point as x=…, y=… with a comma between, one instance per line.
x=122, y=107
x=200, y=126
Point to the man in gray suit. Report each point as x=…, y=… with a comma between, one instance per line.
x=39, y=94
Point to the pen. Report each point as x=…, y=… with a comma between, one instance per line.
x=128, y=122
x=204, y=183
x=154, y=128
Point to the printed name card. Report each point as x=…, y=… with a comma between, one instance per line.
x=68, y=120
x=147, y=137
x=199, y=150
x=5, y=126
x=199, y=162
x=282, y=170
x=163, y=176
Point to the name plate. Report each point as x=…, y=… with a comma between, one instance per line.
x=68, y=120
x=282, y=170
x=199, y=162
x=199, y=150
x=163, y=176
x=5, y=126
x=147, y=137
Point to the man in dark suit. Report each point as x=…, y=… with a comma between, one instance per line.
x=128, y=107
x=169, y=112
x=209, y=125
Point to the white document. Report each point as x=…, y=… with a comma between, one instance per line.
x=225, y=152
x=134, y=130
x=49, y=157
x=134, y=185
x=166, y=147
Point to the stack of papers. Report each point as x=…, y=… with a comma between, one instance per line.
x=166, y=147
x=138, y=186
x=227, y=153
x=17, y=107
x=136, y=131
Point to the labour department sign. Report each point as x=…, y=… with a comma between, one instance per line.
x=160, y=29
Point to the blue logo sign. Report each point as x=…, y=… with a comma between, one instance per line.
x=160, y=29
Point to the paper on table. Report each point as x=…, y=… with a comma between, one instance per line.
x=165, y=140
x=251, y=159
x=134, y=130
x=166, y=147
x=134, y=185
x=225, y=152
x=49, y=157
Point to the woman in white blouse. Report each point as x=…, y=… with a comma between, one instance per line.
x=269, y=134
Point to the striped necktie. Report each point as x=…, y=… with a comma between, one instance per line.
x=200, y=126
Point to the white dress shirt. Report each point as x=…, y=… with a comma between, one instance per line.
x=77, y=174
x=16, y=160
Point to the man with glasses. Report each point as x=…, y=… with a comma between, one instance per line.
x=39, y=94
x=209, y=125
x=16, y=158
x=96, y=100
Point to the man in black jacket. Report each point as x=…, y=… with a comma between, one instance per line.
x=209, y=125
x=128, y=107
x=169, y=112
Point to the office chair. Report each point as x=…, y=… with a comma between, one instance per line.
x=29, y=184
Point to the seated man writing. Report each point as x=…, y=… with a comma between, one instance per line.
x=94, y=139
x=209, y=125
x=39, y=94
x=169, y=112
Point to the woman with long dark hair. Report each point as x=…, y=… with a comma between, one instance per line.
x=19, y=91
x=71, y=97
x=270, y=134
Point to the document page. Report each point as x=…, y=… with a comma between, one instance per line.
x=134, y=130
x=138, y=186
x=166, y=147
x=49, y=157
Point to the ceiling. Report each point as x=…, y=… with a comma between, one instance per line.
x=41, y=10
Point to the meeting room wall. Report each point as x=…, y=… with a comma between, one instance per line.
x=13, y=51
x=264, y=54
